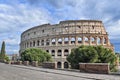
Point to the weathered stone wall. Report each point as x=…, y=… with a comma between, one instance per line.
x=35, y=63
x=60, y=39
x=49, y=65
x=94, y=67
x=26, y=63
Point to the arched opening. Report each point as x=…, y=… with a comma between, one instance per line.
x=105, y=41
x=66, y=40
x=53, y=41
x=72, y=40
x=30, y=44
x=47, y=42
x=42, y=42
x=66, y=52
x=59, y=41
x=58, y=64
x=27, y=44
x=53, y=52
x=38, y=43
x=33, y=43
x=66, y=65
x=92, y=40
x=59, y=53
x=47, y=51
x=86, y=40
x=98, y=40
x=79, y=40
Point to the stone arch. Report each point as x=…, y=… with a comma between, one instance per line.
x=47, y=42
x=73, y=40
x=59, y=53
x=42, y=42
x=60, y=41
x=24, y=45
x=79, y=40
x=27, y=44
x=59, y=64
x=47, y=51
x=98, y=40
x=92, y=40
x=66, y=65
x=86, y=39
x=30, y=44
x=38, y=42
x=53, y=52
x=53, y=41
x=66, y=40
x=105, y=40
x=33, y=43
x=66, y=52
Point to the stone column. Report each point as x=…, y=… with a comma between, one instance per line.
x=56, y=53
x=56, y=41
x=55, y=64
x=62, y=53
x=76, y=40
x=69, y=40
x=96, y=40
x=102, y=40
x=63, y=41
x=62, y=65
x=90, y=42
x=83, y=40
x=44, y=42
x=50, y=42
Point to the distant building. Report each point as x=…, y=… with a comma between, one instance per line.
x=13, y=57
x=59, y=39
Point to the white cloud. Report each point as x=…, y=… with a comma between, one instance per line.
x=14, y=19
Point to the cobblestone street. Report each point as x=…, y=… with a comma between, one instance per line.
x=18, y=72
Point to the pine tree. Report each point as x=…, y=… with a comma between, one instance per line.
x=2, y=53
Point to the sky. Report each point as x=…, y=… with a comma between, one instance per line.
x=17, y=16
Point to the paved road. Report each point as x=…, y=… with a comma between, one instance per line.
x=17, y=72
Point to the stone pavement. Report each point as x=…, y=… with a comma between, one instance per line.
x=19, y=72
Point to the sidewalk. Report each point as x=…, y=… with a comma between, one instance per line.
x=74, y=73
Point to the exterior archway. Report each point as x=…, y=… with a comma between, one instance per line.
x=66, y=52
x=47, y=42
x=60, y=41
x=53, y=52
x=58, y=64
x=72, y=40
x=66, y=65
x=79, y=40
x=86, y=39
x=59, y=52
x=38, y=42
x=33, y=43
x=66, y=40
x=53, y=41
x=42, y=42
x=98, y=40
x=92, y=40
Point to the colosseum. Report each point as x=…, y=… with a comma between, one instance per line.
x=59, y=39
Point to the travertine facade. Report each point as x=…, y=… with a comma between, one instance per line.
x=59, y=39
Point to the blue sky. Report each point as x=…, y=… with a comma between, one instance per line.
x=17, y=16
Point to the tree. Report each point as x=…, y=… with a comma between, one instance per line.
x=35, y=54
x=2, y=53
x=91, y=54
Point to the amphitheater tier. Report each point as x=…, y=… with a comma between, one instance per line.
x=59, y=39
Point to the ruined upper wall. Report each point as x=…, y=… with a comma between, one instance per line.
x=65, y=27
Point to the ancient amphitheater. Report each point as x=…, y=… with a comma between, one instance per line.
x=59, y=39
